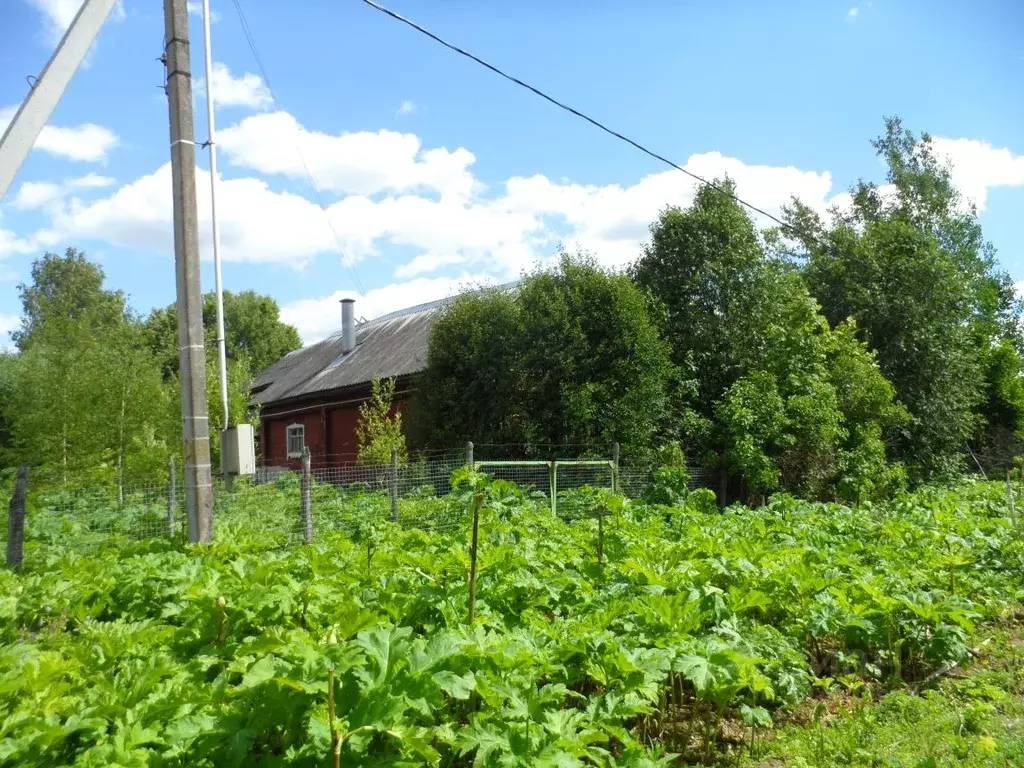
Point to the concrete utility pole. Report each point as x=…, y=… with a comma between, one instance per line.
x=191, y=353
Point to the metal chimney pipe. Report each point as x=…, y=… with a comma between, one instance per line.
x=348, y=325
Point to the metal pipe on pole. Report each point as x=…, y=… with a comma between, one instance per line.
x=191, y=352
x=212, y=147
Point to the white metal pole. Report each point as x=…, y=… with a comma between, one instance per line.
x=221, y=350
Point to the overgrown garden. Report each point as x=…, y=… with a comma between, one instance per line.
x=636, y=634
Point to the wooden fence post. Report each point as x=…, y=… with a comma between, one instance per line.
x=16, y=519
x=307, y=497
x=172, y=494
x=394, y=485
x=469, y=453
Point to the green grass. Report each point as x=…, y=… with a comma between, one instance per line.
x=972, y=718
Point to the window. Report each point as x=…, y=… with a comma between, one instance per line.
x=296, y=440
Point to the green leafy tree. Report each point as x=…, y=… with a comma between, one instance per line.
x=572, y=358
x=253, y=332
x=910, y=265
x=1002, y=405
x=469, y=388
x=706, y=265
x=84, y=389
x=379, y=429
x=774, y=396
x=130, y=398
x=596, y=368
x=66, y=293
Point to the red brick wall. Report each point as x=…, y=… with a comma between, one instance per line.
x=338, y=446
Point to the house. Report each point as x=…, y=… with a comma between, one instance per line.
x=311, y=397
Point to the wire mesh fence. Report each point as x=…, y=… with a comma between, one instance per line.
x=280, y=506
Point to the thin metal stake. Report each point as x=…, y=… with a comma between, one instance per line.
x=307, y=498
x=394, y=485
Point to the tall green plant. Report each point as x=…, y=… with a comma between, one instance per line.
x=379, y=429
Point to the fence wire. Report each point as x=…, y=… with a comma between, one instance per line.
x=269, y=507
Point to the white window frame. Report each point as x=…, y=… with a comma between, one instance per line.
x=295, y=430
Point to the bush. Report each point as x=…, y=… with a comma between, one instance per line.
x=703, y=500
x=669, y=487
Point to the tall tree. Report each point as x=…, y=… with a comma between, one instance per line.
x=253, y=331
x=909, y=264
x=770, y=398
x=471, y=361
x=706, y=265
x=66, y=293
x=83, y=388
x=596, y=367
x=571, y=357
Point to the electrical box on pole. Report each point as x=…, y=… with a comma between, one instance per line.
x=238, y=450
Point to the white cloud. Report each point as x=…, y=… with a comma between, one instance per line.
x=8, y=323
x=249, y=90
x=406, y=107
x=316, y=318
x=613, y=221
x=87, y=142
x=978, y=166
x=11, y=244
x=256, y=224
x=39, y=194
x=196, y=9
x=852, y=13
x=501, y=233
x=425, y=202
x=359, y=163
x=427, y=262
x=60, y=13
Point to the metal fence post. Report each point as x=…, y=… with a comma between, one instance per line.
x=16, y=519
x=307, y=498
x=394, y=485
x=469, y=453
x=172, y=495
x=553, y=483
x=615, y=467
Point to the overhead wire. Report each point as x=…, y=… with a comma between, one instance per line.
x=596, y=123
x=309, y=176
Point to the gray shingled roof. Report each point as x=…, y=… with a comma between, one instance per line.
x=391, y=345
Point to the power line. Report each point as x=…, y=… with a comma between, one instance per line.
x=577, y=113
x=309, y=176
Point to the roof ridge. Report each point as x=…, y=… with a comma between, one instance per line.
x=394, y=344
x=417, y=308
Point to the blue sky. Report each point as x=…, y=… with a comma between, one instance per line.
x=436, y=173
